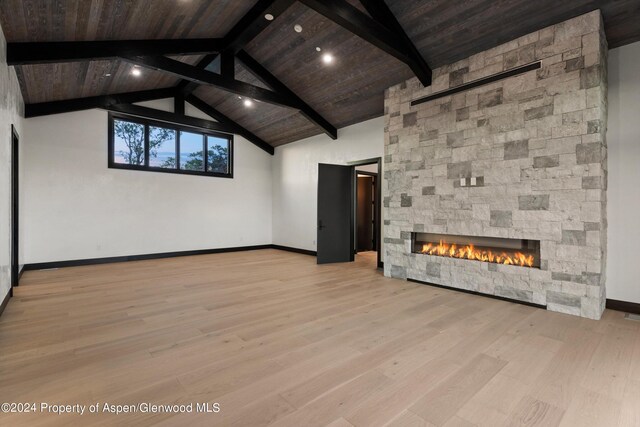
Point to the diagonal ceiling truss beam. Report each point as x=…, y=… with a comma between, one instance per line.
x=253, y=23
x=87, y=103
x=379, y=10
x=124, y=103
x=221, y=118
x=353, y=20
x=270, y=80
x=186, y=87
x=197, y=75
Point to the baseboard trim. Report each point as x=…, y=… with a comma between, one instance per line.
x=110, y=260
x=466, y=291
x=296, y=250
x=626, y=306
x=5, y=301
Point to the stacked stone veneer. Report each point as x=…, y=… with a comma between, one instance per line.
x=536, y=145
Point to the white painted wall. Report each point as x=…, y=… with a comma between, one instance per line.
x=76, y=208
x=623, y=194
x=295, y=177
x=11, y=110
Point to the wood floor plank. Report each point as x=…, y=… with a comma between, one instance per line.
x=630, y=410
x=321, y=411
x=441, y=404
x=611, y=363
x=560, y=380
x=493, y=404
x=534, y=412
x=408, y=419
x=593, y=409
x=384, y=405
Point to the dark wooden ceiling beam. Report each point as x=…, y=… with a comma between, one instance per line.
x=221, y=118
x=48, y=52
x=197, y=75
x=274, y=83
x=357, y=22
x=186, y=87
x=104, y=101
x=379, y=10
x=253, y=22
x=228, y=65
x=178, y=104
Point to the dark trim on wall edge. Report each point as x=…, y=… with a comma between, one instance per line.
x=626, y=306
x=126, y=258
x=296, y=250
x=5, y=301
x=466, y=291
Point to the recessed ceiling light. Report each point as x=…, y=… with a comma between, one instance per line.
x=318, y=49
x=327, y=58
x=248, y=103
x=297, y=28
x=136, y=72
x=108, y=75
x=268, y=17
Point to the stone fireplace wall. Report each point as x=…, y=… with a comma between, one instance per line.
x=535, y=144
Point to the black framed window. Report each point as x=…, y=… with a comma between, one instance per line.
x=142, y=144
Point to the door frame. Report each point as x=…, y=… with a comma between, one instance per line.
x=373, y=175
x=378, y=208
x=15, y=207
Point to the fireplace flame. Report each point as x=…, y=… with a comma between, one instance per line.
x=470, y=252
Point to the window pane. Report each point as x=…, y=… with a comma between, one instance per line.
x=191, y=151
x=162, y=147
x=128, y=143
x=217, y=154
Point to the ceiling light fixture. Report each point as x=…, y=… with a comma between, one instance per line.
x=318, y=49
x=248, y=103
x=268, y=17
x=297, y=28
x=327, y=58
x=136, y=72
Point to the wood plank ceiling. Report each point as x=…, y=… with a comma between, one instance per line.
x=348, y=91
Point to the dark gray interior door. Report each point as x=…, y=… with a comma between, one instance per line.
x=335, y=218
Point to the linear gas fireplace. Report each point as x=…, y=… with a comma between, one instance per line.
x=521, y=252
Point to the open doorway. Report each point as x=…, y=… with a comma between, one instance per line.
x=367, y=212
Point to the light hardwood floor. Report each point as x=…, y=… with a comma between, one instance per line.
x=277, y=340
